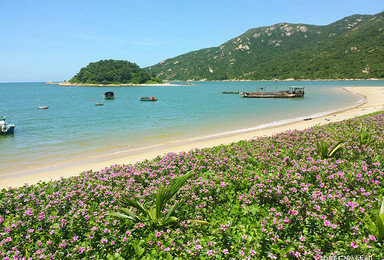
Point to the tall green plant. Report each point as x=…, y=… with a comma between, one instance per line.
x=378, y=227
x=364, y=137
x=154, y=215
x=325, y=152
x=380, y=222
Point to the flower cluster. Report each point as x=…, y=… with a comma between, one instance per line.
x=271, y=197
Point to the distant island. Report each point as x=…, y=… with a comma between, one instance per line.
x=351, y=48
x=112, y=72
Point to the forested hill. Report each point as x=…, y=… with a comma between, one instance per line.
x=113, y=72
x=349, y=48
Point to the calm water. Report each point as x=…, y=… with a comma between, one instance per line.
x=74, y=127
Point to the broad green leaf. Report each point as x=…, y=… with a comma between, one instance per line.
x=254, y=209
x=174, y=207
x=364, y=135
x=288, y=249
x=170, y=221
x=130, y=213
x=381, y=212
x=160, y=201
x=380, y=228
x=164, y=195
x=135, y=204
x=336, y=147
x=140, y=251
x=120, y=215
x=370, y=225
x=200, y=222
x=152, y=215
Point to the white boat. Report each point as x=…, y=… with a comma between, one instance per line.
x=148, y=99
x=5, y=127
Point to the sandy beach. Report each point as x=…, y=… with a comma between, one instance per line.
x=68, y=84
x=373, y=101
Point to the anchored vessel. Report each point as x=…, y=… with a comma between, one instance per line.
x=147, y=99
x=5, y=127
x=230, y=92
x=290, y=93
x=109, y=95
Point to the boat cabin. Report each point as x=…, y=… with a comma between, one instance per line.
x=109, y=95
x=5, y=127
x=296, y=90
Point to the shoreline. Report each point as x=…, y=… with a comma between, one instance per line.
x=373, y=101
x=67, y=84
x=167, y=82
x=273, y=80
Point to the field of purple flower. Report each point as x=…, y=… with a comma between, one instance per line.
x=272, y=197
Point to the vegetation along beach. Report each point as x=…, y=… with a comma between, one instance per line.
x=264, y=145
x=279, y=195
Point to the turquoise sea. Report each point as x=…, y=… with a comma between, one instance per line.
x=73, y=127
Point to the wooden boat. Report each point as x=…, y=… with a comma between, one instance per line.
x=109, y=95
x=43, y=107
x=99, y=104
x=5, y=127
x=148, y=99
x=290, y=93
x=231, y=92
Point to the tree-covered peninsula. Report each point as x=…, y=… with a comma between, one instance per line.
x=113, y=72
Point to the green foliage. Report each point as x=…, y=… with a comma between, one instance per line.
x=116, y=256
x=349, y=48
x=154, y=215
x=113, y=72
x=325, y=151
x=378, y=227
x=364, y=137
x=269, y=198
x=380, y=222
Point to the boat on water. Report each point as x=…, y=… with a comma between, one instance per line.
x=5, y=127
x=290, y=93
x=109, y=95
x=43, y=107
x=231, y=92
x=148, y=99
x=99, y=104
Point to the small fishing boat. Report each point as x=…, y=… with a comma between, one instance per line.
x=148, y=99
x=5, y=127
x=231, y=92
x=99, y=104
x=109, y=95
x=43, y=107
x=290, y=93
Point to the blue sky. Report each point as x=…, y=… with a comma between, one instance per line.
x=43, y=40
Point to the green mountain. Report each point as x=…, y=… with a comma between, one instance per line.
x=349, y=48
x=113, y=72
